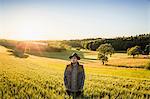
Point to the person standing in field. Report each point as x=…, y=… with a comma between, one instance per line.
x=74, y=77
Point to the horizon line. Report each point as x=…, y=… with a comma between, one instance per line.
x=73, y=39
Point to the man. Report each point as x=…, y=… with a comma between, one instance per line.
x=74, y=76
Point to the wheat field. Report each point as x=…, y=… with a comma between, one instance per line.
x=38, y=77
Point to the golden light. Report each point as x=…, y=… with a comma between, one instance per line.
x=26, y=27
x=29, y=36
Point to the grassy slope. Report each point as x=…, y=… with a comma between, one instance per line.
x=43, y=77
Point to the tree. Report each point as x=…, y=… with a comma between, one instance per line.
x=147, y=49
x=103, y=51
x=103, y=58
x=134, y=51
x=106, y=49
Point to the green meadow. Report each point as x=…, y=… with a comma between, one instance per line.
x=41, y=76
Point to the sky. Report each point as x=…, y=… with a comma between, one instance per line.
x=73, y=19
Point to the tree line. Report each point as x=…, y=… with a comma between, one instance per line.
x=118, y=43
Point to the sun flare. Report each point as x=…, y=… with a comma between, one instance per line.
x=29, y=36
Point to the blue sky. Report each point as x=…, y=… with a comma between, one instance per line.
x=73, y=19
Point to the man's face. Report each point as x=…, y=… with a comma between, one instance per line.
x=74, y=59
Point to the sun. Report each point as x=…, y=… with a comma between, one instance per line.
x=29, y=29
x=29, y=33
x=29, y=36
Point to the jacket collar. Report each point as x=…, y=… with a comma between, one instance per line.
x=77, y=64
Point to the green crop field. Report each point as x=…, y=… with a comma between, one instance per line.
x=41, y=76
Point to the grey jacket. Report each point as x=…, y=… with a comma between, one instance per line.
x=80, y=77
